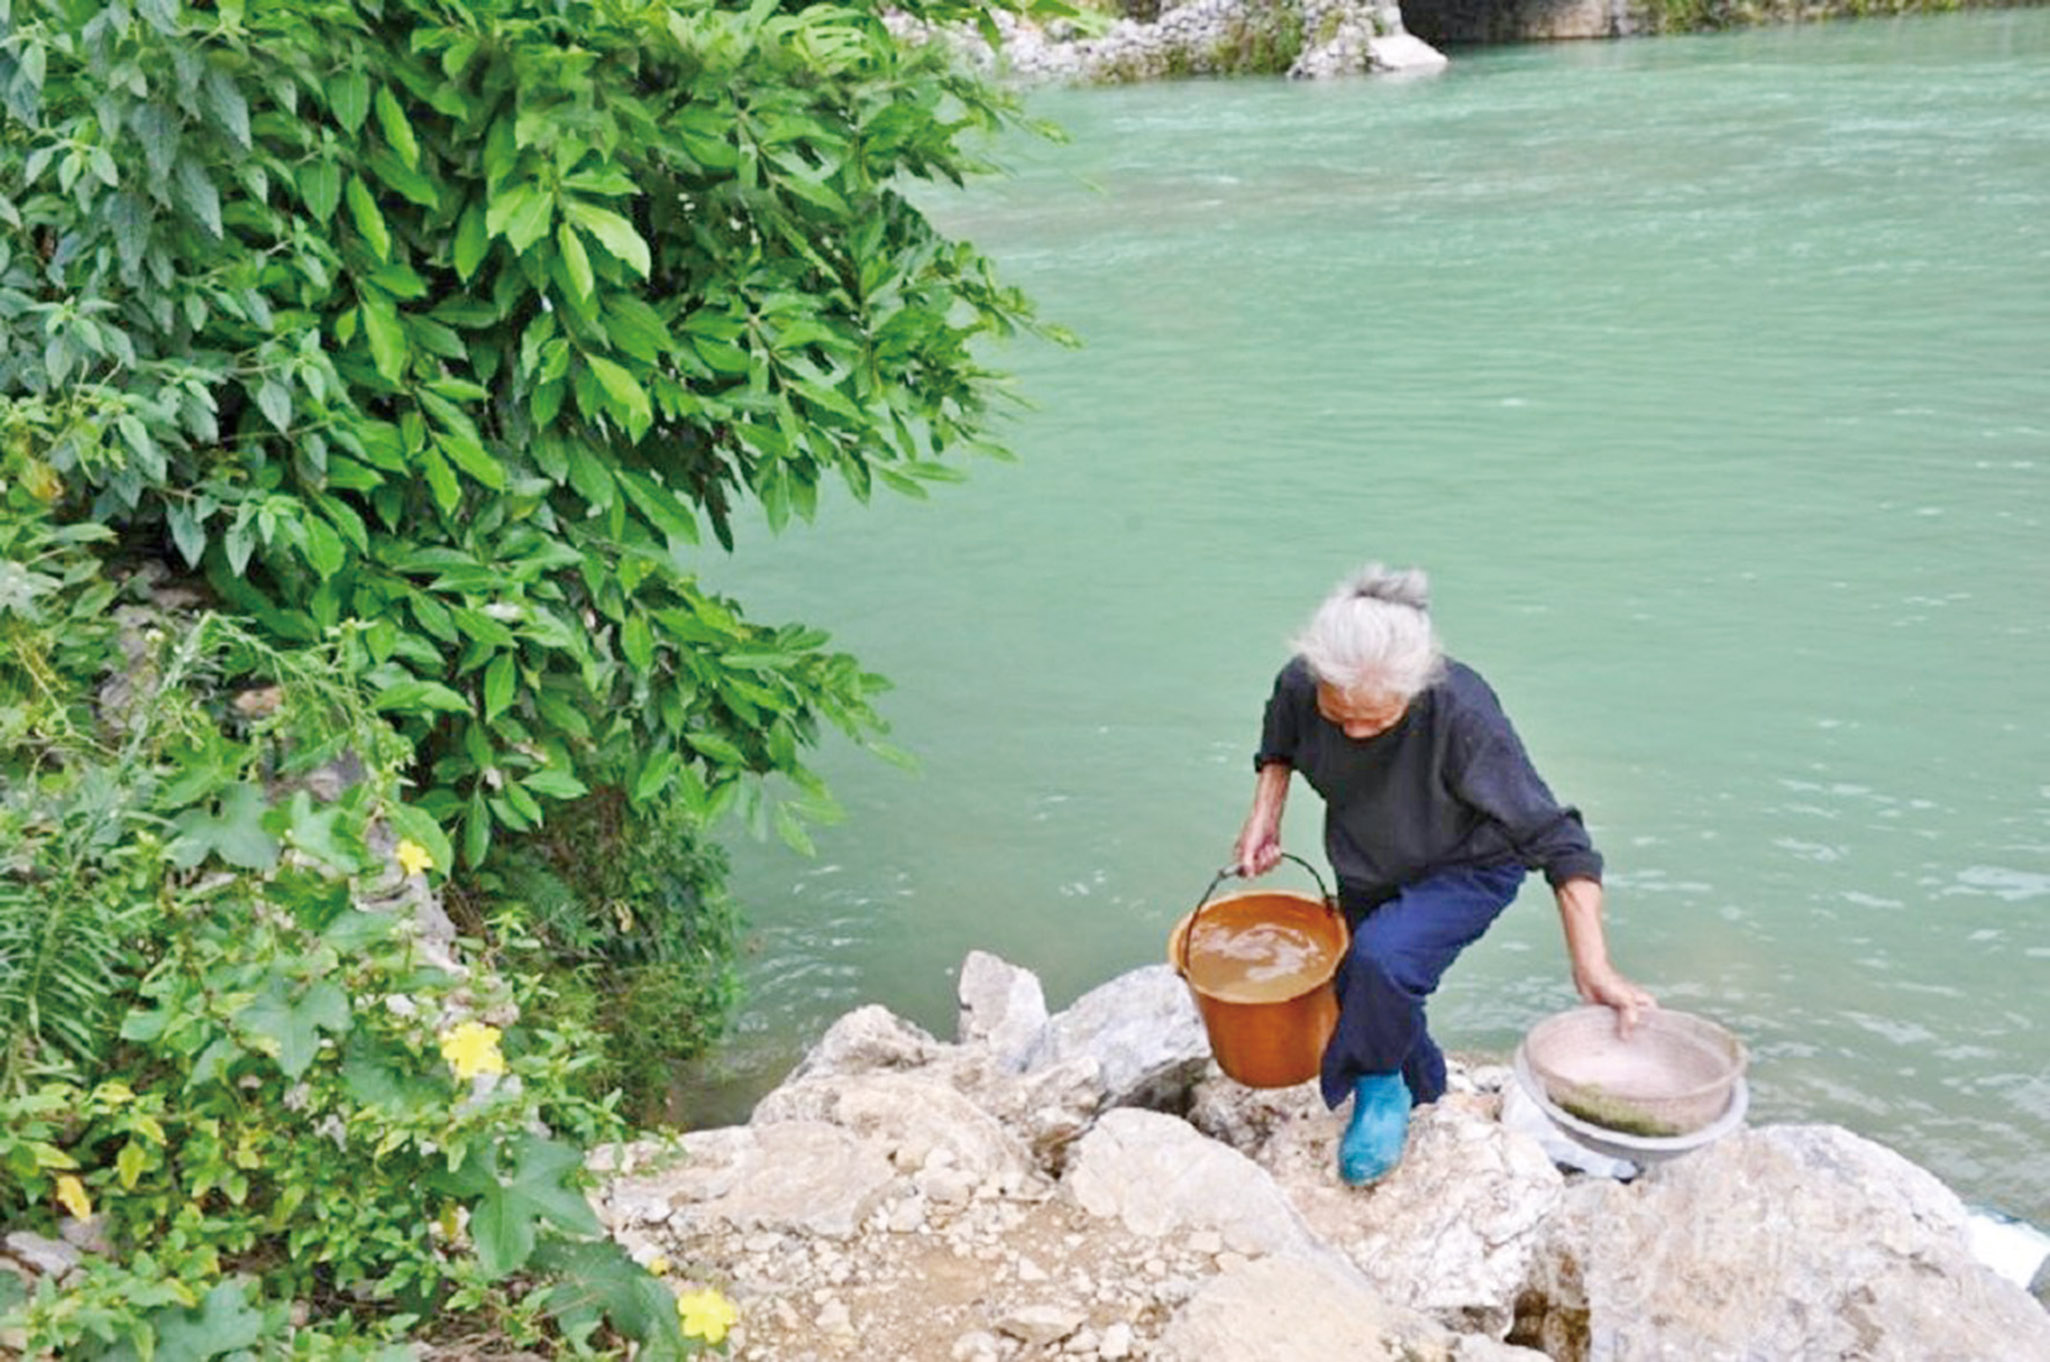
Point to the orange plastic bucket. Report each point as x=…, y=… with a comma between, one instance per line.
x=1259, y=965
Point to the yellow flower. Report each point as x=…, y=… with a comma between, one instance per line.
x=659, y=1265
x=71, y=1192
x=414, y=858
x=705, y=1314
x=471, y=1048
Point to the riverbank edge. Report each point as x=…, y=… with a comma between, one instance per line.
x=1324, y=39
x=1087, y=1184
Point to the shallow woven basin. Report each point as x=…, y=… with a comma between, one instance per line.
x=1672, y=1077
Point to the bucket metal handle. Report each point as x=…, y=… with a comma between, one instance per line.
x=1330, y=904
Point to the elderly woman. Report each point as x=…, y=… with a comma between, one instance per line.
x=1432, y=816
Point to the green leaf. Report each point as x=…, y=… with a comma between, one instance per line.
x=129, y=1163
x=411, y=184
x=158, y=127
x=369, y=221
x=812, y=191
x=186, y=532
x=230, y=109
x=718, y=749
x=521, y=214
x=417, y=694
x=555, y=783
x=725, y=359
x=353, y=929
x=320, y=185
x=501, y=679
x=574, y=261
x=467, y=454
x=379, y=1073
x=636, y=328
x=562, y=715
x=224, y=1324
x=472, y=241
x=510, y=1206
x=400, y=280
x=637, y=641
x=625, y=395
x=441, y=480
x=655, y=773
x=791, y=830
x=234, y=833
x=592, y=479
x=388, y=346
x=292, y=1017
x=611, y=231
x=596, y=1282
x=196, y=192
x=398, y=132
x=348, y=95
x=130, y=218
x=274, y=399
x=476, y=830
x=325, y=552
x=663, y=510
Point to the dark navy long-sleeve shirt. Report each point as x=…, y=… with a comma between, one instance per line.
x=1449, y=785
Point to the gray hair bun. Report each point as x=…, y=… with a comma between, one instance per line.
x=1405, y=586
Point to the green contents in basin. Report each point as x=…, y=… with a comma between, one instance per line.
x=1599, y=1108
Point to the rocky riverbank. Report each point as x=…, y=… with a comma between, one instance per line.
x=1088, y=1186
x=1319, y=39
x=1301, y=38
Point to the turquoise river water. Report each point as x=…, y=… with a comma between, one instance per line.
x=1710, y=379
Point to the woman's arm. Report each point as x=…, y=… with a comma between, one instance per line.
x=1580, y=913
x=1259, y=846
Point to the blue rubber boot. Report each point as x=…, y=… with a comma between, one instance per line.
x=1372, y=1143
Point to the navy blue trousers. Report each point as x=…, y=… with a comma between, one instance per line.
x=1401, y=948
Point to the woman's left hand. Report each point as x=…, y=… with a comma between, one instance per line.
x=1610, y=989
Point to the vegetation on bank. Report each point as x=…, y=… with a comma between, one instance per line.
x=372, y=377
x=1695, y=16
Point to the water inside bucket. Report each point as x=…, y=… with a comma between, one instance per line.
x=1262, y=962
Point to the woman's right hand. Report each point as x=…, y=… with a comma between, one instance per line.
x=1259, y=846
x=1258, y=851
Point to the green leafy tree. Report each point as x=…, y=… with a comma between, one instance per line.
x=427, y=345
x=469, y=321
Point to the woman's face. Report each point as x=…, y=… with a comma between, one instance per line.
x=1360, y=714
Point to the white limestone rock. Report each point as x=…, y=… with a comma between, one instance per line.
x=1784, y=1241
x=909, y=1116
x=1159, y=1177
x=1454, y=1232
x=1404, y=54
x=805, y=1177
x=1144, y=1033
x=868, y=1040
x=1002, y=1007
x=1288, y=1309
